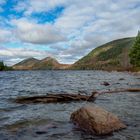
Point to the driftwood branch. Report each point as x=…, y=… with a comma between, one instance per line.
x=121, y=90
x=61, y=98
x=54, y=98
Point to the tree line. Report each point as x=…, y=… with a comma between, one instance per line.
x=4, y=67
x=135, y=52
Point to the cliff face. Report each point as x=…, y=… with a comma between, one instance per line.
x=47, y=63
x=110, y=56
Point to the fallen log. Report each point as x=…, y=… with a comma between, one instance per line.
x=54, y=98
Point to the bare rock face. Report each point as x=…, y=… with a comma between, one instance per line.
x=96, y=120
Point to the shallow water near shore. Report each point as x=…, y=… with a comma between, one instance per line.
x=52, y=121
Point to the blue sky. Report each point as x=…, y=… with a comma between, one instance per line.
x=63, y=29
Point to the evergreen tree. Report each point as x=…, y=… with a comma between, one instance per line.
x=4, y=67
x=135, y=52
x=1, y=66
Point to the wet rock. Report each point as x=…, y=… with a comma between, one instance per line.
x=105, y=84
x=121, y=79
x=96, y=120
x=41, y=132
x=117, y=83
x=43, y=129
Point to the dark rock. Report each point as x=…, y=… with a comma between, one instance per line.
x=45, y=128
x=105, y=84
x=41, y=132
x=121, y=79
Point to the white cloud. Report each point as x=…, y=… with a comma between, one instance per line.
x=14, y=55
x=31, y=32
x=35, y=6
x=22, y=53
x=97, y=16
x=5, y=35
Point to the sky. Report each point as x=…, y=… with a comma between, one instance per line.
x=64, y=29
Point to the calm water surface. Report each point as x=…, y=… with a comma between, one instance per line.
x=52, y=121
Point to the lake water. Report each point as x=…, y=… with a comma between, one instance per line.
x=52, y=121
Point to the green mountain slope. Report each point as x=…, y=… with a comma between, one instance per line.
x=26, y=64
x=110, y=56
x=47, y=63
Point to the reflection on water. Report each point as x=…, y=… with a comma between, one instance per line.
x=51, y=121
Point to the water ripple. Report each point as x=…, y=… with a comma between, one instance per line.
x=30, y=83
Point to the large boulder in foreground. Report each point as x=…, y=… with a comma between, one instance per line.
x=96, y=120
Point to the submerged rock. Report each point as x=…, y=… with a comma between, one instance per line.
x=105, y=84
x=96, y=120
x=44, y=129
x=121, y=79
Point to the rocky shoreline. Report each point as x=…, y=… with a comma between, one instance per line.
x=92, y=119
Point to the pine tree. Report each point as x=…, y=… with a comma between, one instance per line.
x=1, y=66
x=135, y=52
